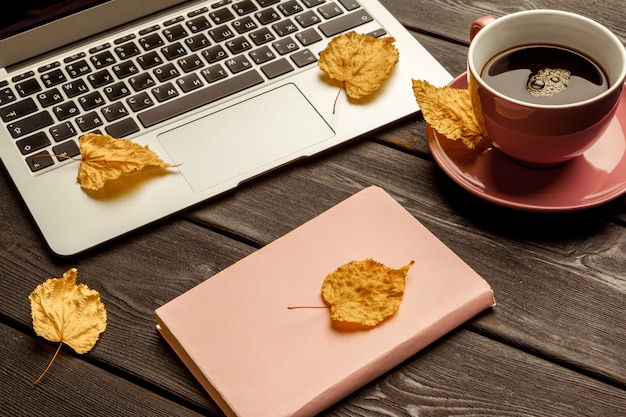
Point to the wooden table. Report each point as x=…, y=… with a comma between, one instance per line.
x=555, y=345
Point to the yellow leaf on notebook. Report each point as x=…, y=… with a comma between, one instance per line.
x=364, y=292
x=450, y=111
x=360, y=62
x=105, y=159
x=65, y=312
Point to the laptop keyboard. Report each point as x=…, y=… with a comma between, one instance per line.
x=152, y=75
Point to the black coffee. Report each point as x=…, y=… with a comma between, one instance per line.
x=545, y=74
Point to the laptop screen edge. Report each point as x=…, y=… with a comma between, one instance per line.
x=76, y=27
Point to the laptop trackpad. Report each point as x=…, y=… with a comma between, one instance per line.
x=247, y=139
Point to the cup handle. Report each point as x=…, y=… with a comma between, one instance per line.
x=478, y=24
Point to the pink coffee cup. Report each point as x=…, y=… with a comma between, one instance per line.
x=544, y=134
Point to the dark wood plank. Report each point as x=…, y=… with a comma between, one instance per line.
x=463, y=375
x=72, y=387
x=452, y=19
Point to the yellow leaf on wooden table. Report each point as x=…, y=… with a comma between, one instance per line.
x=105, y=159
x=65, y=312
x=449, y=111
x=364, y=292
x=361, y=62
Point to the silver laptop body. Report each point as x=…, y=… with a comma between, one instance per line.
x=226, y=90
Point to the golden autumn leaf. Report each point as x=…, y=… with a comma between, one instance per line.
x=364, y=292
x=65, y=312
x=449, y=111
x=360, y=62
x=105, y=159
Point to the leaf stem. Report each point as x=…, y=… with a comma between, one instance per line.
x=336, y=99
x=49, y=365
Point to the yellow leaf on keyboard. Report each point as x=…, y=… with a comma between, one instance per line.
x=105, y=159
x=361, y=62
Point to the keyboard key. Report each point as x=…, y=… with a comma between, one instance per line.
x=6, y=95
x=378, y=33
x=88, y=122
x=149, y=60
x=199, y=98
x=75, y=88
x=190, y=63
x=53, y=78
x=285, y=27
x=308, y=37
x=344, y=23
x=139, y=102
x=28, y=87
x=290, y=7
x=122, y=128
x=66, y=150
x=303, y=58
x=261, y=55
x=78, y=68
x=30, y=124
x=91, y=100
x=265, y=3
x=285, y=45
x=308, y=19
x=214, y=73
x=174, y=33
x=350, y=4
x=33, y=143
x=237, y=64
x=63, y=131
x=166, y=72
x=197, y=42
x=127, y=50
x=267, y=16
x=65, y=110
x=214, y=54
x=100, y=78
x=330, y=10
x=238, y=45
x=173, y=51
x=48, y=67
x=221, y=33
x=114, y=111
x=116, y=91
x=50, y=97
x=125, y=69
x=244, y=7
x=141, y=81
x=40, y=161
x=220, y=16
x=277, y=68
x=220, y=3
x=103, y=59
x=312, y=3
x=151, y=41
x=164, y=92
x=198, y=24
x=23, y=76
x=189, y=82
x=245, y=24
x=18, y=109
x=261, y=36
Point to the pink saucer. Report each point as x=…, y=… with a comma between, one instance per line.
x=599, y=175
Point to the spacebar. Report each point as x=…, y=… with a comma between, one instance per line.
x=199, y=98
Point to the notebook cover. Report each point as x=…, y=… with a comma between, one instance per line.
x=256, y=357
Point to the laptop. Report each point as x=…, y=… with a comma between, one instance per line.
x=226, y=90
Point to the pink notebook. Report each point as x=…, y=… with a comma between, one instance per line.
x=256, y=357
